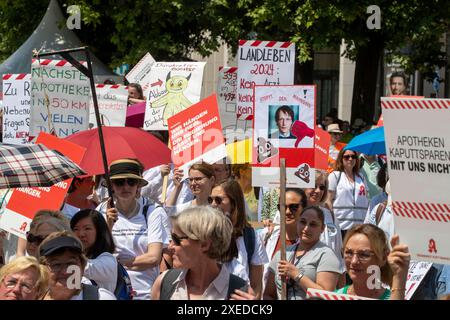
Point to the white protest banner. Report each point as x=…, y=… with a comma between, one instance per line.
x=328, y=295
x=226, y=97
x=262, y=63
x=141, y=72
x=196, y=134
x=174, y=86
x=16, y=108
x=112, y=105
x=418, y=152
x=416, y=272
x=284, y=128
x=68, y=93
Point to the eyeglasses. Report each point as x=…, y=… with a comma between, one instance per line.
x=23, y=286
x=58, y=267
x=321, y=187
x=363, y=256
x=217, y=200
x=177, y=239
x=31, y=238
x=196, y=179
x=121, y=182
x=293, y=207
x=349, y=156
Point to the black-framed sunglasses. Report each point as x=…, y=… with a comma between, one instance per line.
x=293, y=207
x=121, y=182
x=177, y=239
x=350, y=156
x=31, y=238
x=217, y=200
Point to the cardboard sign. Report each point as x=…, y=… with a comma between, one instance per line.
x=112, y=105
x=418, y=153
x=68, y=92
x=328, y=295
x=174, y=86
x=321, y=149
x=284, y=128
x=25, y=202
x=196, y=134
x=416, y=273
x=141, y=72
x=226, y=97
x=262, y=63
x=16, y=108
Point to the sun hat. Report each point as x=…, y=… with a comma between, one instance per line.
x=63, y=242
x=126, y=168
x=334, y=128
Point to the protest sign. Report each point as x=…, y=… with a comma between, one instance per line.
x=418, y=153
x=261, y=63
x=25, y=202
x=329, y=295
x=322, y=147
x=226, y=97
x=112, y=105
x=141, y=72
x=196, y=134
x=68, y=92
x=284, y=128
x=16, y=108
x=174, y=86
x=416, y=273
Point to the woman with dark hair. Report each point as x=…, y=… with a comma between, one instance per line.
x=135, y=93
x=246, y=255
x=90, y=227
x=309, y=263
x=347, y=191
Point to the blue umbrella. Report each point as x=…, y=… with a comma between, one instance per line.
x=370, y=142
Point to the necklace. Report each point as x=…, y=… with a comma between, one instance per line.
x=130, y=213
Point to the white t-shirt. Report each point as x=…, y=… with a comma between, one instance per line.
x=103, y=294
x=103, y=270
x=239, y=266
x=132, y=237
x=69, y=210
x=386, y=222
x=175, y=210
x=351, y=202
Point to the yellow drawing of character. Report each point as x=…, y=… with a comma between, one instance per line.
x=174, y=99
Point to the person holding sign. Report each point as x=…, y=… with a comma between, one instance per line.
x=135, y=93
x=347, y=193
x=309, y=264
x=370, y=263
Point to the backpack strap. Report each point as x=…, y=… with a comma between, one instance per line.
x=90, y=292
x=249, y=241
x=167, y=285
x=380, y=210
x=145, y=209
x=234, y=283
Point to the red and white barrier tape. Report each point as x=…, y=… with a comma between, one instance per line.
x=328, y=295
x=415, y=104
x=230, y=70
x=414, y=213
x=268, y=44
x=246, y=117
x=110, y=86
x=56, y=63
x=16, y=76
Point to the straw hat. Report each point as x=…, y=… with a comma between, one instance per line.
x=334, y=128
x=126, y=168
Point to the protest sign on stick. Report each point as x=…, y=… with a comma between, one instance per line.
x=418, y=153
x=16, y=108
x=59, y=98
x=226, y=98
x=112, y=105
x=322, y=147
x=416, y=273
x=284, y=128
x=25, y=202
x=141, y=72
x=196, y=135
x=261, y=63
x=174, y=86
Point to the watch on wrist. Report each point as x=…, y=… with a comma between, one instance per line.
x=300, y=275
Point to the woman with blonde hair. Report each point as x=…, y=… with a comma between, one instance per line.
x=366, y=252
x=23, y=279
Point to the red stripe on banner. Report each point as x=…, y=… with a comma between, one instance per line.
x=100, y=85
x=7, y=76
x=21, y=76
x=397, y=105
x=115, y=86
x=33, y=60
x=427, y=105
x=436, y=215
x=256, y=43
x=434, y=102
x=286, y=45
x=440, y=208
x=404, y=105
x=45, y=62
x=407, y=214
x=430, y=104
x=416, y=206
x=420, y=216
x=426, y=215
x=326, y=296
x=271, y=44
x=442, y=103
x=443, y=217
x=432, y=216
x=335, y=297
x=434, y=207
x=446, y=102
x=61, y=63
x=411, y=104
x=422, y=207
x=446, y=207
x=413, y=214
x=390, y=105
x=383, y=105
x=242, y=42
x=232, y=70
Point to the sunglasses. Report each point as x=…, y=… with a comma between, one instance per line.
x=31, y=238
x=121, y=182
x=293, y=207
x=177, y=239
x=217, y=200
x=349, y=156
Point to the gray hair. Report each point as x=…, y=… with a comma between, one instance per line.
x=56, y=223
x=204, y=223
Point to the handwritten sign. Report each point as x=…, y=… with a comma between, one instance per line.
x=226, y=97
x=16, y=108
x=262, y=63
x=68, y=92
x=141, y=72
x=416, y=273
x=112, y=105
x=174, y=86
